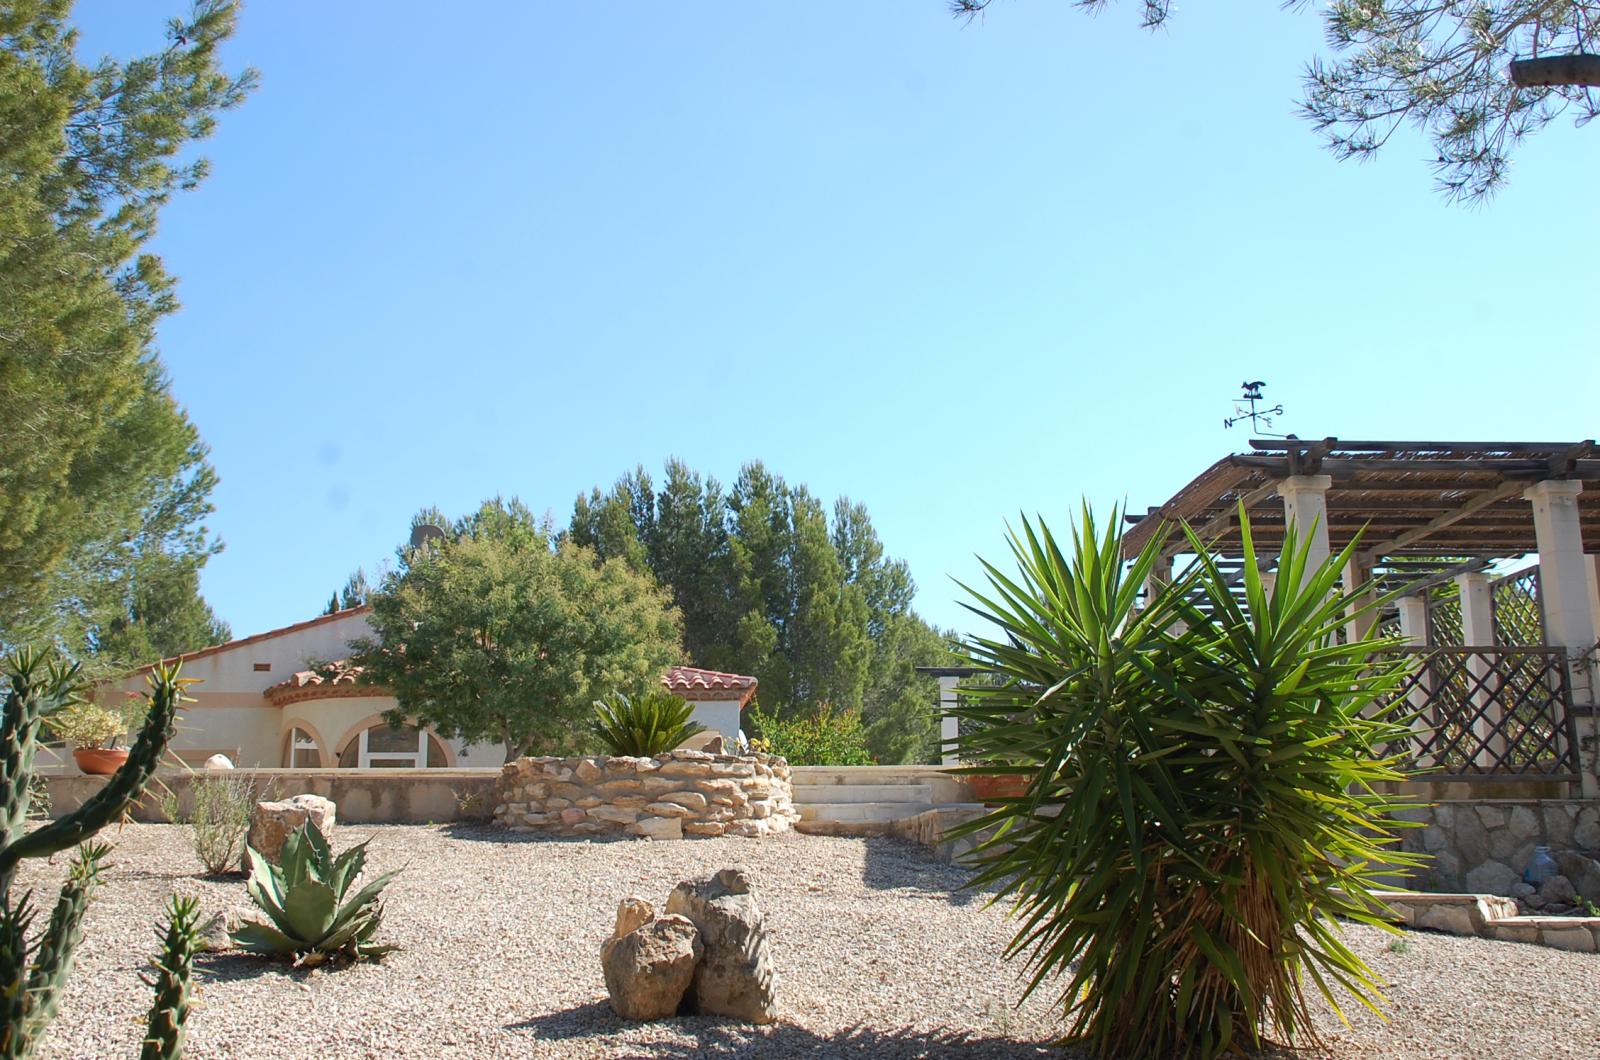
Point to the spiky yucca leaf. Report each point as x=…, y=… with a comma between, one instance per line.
x=1202, y=805
x=313, y=917
x=644, y=726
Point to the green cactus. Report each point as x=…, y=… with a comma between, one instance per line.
x=32, y=974
x=180, y=937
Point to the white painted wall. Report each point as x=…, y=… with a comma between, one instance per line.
x=718, y=715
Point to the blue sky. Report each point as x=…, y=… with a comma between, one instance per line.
x=953, y=271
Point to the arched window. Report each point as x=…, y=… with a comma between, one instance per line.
x=300, y=750
x=393, y=747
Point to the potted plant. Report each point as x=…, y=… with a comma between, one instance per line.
x=94, y=732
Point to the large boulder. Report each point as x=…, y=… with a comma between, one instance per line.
x=274, y=822
x=735, y=976
x=648, y=961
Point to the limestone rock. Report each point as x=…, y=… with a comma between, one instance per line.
x=219, y=762
x=735, y=976
x=1557, y=889
x=1491, y=878
x=633, y=913
x=1583, y=872
x=657, y=828
x=273, y=822
x=649, y=967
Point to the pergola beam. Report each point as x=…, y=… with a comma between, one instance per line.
x=1411, y=537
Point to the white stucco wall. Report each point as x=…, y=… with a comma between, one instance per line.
x=720, y=715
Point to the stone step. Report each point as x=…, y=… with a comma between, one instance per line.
x=806, y=794
x=855, y=776
x=864, y=812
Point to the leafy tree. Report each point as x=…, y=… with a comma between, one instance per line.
x=499, y=632
x=163, y=616
x=1474, y=77
x=100, y=470
x=767, y=585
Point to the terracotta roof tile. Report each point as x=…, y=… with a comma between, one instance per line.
x=691, y=681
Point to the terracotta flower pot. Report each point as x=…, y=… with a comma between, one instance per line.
x=987, y=787
x=100, y=761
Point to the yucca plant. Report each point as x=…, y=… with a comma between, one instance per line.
x=1201, y=810
x=314, y=918
x=644, y=726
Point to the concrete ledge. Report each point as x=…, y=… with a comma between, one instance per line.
x=1491, y=916
x=365, y=796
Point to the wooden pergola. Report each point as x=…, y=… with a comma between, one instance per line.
x=1405, y=498
x=1431, y=513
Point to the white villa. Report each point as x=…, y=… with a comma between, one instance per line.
x=257, y=701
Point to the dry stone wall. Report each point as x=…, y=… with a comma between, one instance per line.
x=679, y=793
x=1484, y=846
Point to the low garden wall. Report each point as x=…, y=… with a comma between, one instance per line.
x=364, y=796
x=667, y=797
x=1483, y=846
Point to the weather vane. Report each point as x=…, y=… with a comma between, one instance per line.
x=1245, y=407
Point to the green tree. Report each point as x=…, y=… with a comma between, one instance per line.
x=163, y=615
x=99, y=467
x=1475, y=78
x=768, y=586
x=498, y=632
x=354, y=593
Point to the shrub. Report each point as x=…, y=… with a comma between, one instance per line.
x=219, y=822
x=1201, y=806
x=305, y=898
x=827, y=737
x=84, y=723
x=644, y=726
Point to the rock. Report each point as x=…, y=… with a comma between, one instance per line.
x=273, y=822
x=1491, y=816
x=1586, y=829
x=1558, y=822
x=1583, y=872
x=691, y=799
x=633, y=912
x=1524, y=825
x=1557, y=889
x=1521, y=889
x=669, y=809
x=617, y=814
x=649, y=967
x=703, y=828
x=587, y=772
x=219, y=762
x=735, y=976
x=1491, y=878
x=657, y=828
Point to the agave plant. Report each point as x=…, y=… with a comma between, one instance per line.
x=644, y=726
x=1202, y=806
x=313, y=916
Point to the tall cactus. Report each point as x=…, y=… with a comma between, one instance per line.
x=163, y=1036
x=32, y=973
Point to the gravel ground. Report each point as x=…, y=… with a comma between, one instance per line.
x=879, y=955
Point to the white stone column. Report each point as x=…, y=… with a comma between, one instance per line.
x=1477, y=631
x=1564, y=591
x=1358, y=583
x=949, y=724
x=1305, y=505
x=1414, y=628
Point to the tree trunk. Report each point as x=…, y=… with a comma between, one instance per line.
x=1556, y=70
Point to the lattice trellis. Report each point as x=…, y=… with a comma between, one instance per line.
x=1517, y=609
x=1444, y=617
x=1486, y=714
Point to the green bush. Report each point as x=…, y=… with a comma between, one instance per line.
x=827, y=737
x=312, y=919
x=644, y=726
x=1201, y=809
x=220, y=820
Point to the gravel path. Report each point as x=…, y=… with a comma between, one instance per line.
x=879, y=956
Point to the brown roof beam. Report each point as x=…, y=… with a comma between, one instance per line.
x=1342, y=446
x=1482, y=500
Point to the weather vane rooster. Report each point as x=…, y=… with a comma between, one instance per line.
x=1246, y=407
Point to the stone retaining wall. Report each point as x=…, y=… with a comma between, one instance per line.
x=676, y=794
x=1483, y=846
